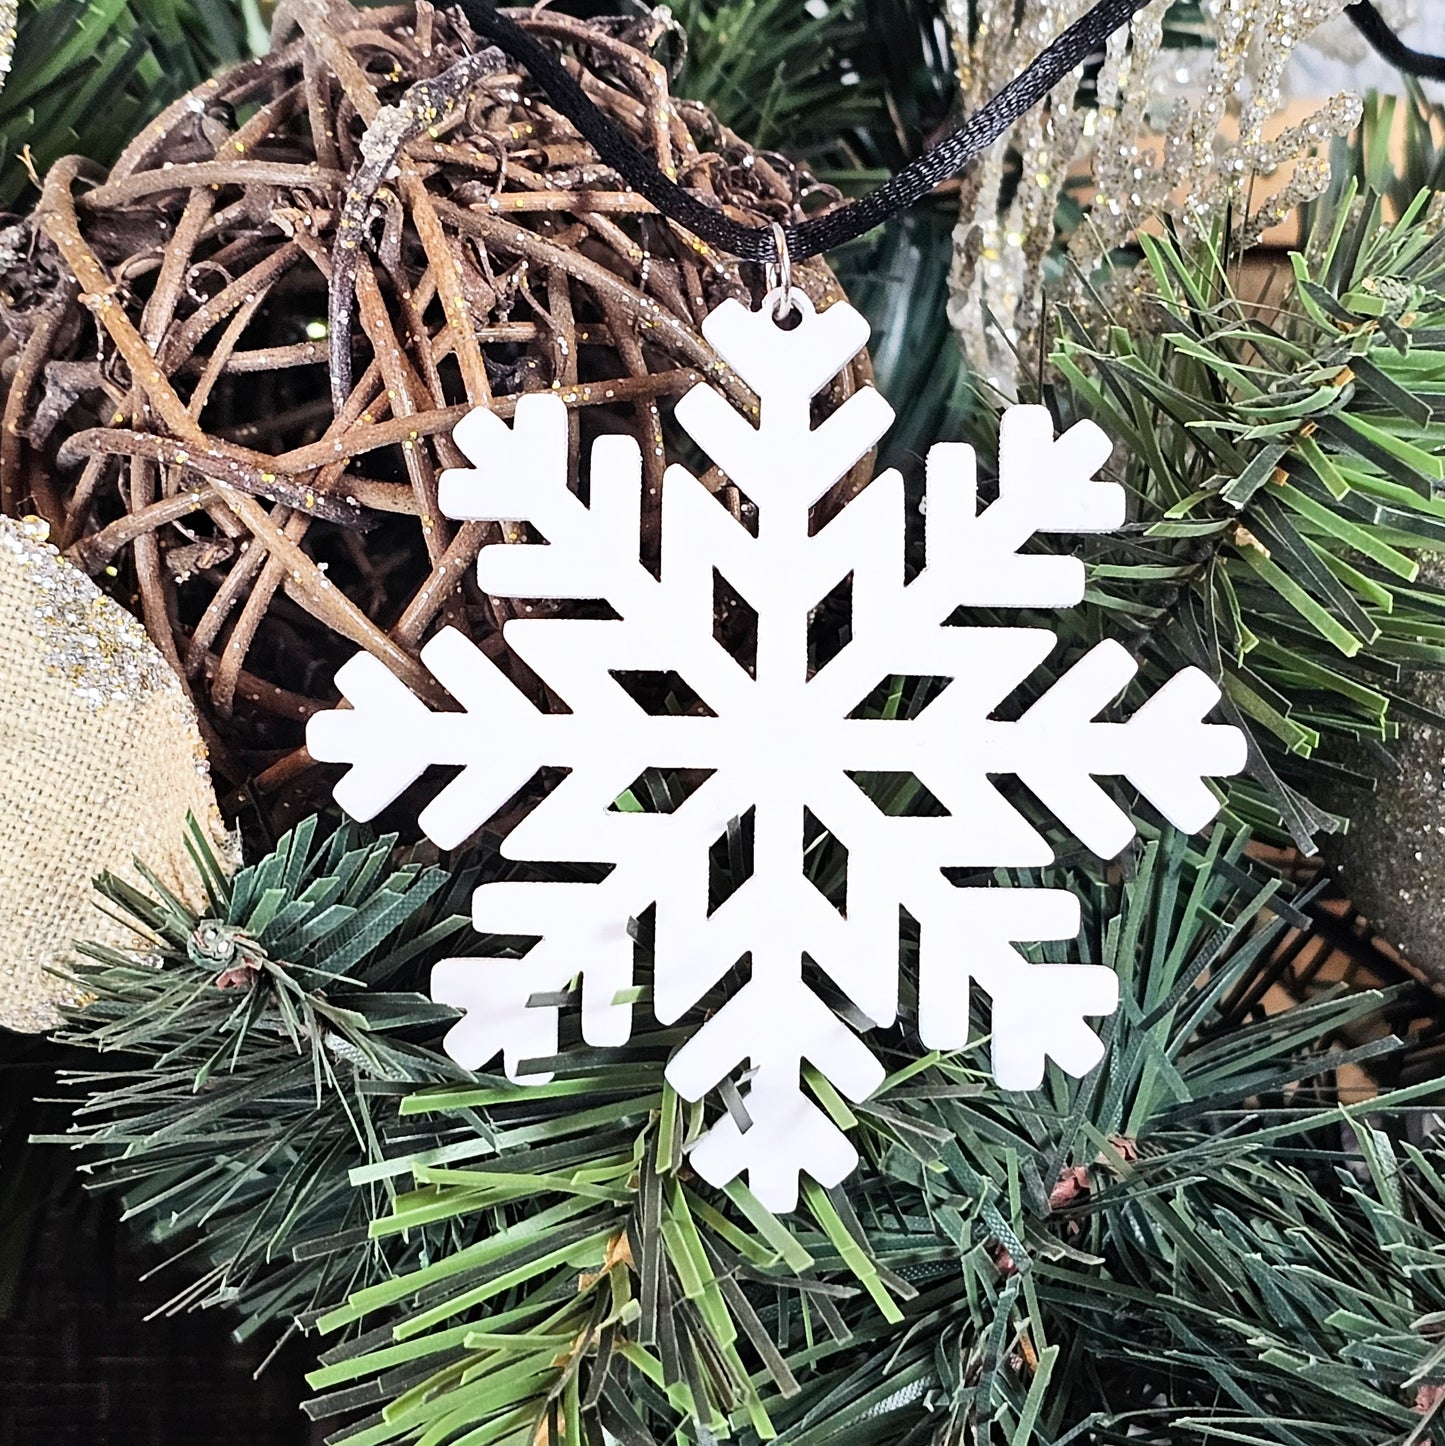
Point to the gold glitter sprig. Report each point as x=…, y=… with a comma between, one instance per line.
x=1195, y=163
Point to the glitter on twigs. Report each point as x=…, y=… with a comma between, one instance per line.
x=173, y=342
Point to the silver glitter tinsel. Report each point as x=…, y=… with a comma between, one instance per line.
x=1169, y=135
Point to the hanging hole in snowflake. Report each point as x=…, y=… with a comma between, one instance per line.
x=657, y=790
x=735, y=624
x=662, y=694
x=730, y=860
x=830, y=625
x=900, y=794
x=825, y=862
x=789, y=320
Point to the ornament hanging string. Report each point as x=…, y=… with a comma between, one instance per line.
x=799, y=240
x=1390, y=48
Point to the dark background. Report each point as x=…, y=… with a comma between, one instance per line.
x=79, y=1361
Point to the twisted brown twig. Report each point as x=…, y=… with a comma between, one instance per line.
x=238, y=359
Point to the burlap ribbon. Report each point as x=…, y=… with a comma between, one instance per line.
x=100, y=763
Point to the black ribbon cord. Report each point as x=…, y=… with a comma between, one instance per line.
x=843, y=223
x=1371, y=24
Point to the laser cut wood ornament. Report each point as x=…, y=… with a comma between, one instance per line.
x=780, y=743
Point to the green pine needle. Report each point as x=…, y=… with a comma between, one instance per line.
x=253, y=1057
x=1191, y=1240
x=1286, y=467
x=87, y=76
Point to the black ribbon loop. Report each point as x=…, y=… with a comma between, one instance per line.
x=842, y=224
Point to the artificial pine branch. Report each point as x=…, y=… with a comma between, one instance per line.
x=850, y=91
x=1286, y=459
x=513, y=1265
x=85, y=78
x=252, y=1056
x=1201, y=1241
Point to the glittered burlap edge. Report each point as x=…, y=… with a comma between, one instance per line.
x=101, y=762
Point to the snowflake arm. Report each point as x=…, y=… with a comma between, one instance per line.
x=969, y=935
x=787, y=1133
x=1039, y=1010
x=519, y=474
x=390, y=738
x=1046, y=485
x=512, y=1007
x=1165, y=750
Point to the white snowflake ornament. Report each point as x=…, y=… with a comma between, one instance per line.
x=778, y=742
